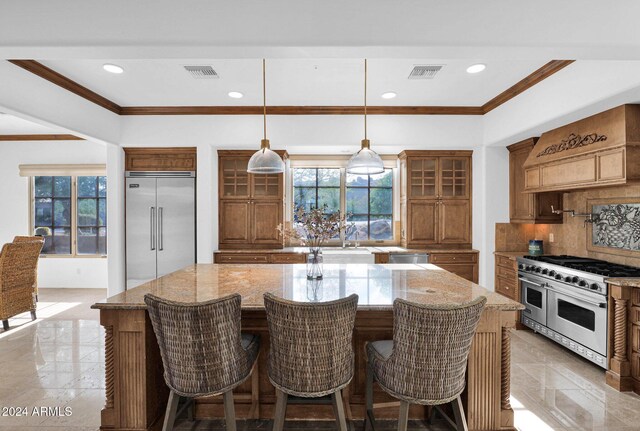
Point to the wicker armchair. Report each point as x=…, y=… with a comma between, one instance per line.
x=18, y=262
x=311, y=353
x=427, y=359
x=203, y=351
x=30, y=239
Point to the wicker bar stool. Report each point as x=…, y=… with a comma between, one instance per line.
x=203, y=351
x=311, y=353
x=18, y=263
x=21, y=238
x=427, y=359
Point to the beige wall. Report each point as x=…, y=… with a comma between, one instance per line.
x=570, y=237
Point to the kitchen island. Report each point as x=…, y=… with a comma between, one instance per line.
x=136, y=393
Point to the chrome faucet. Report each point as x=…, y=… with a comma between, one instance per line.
x=345, y=243
x=357, y=244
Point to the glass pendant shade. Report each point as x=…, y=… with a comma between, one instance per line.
x=365, y=162
x=265, y=161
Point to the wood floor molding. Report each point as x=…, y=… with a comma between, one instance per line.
x=40, y=138
x=529, y=81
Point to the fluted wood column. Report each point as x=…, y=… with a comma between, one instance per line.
x=619, y=371
x=505, y=378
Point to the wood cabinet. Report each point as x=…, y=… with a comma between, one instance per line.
x=435, y=199
x=528, y=207
x=160, y=158
x=251, y=206
x=506, y=277
x=259, y=257
x=463, y=264
x=597, y=151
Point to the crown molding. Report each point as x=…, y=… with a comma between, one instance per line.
x=40, y=138
x=521, y=86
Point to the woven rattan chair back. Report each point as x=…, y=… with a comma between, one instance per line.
x=24, y=238
x=431, y=345
x=18, y=263
x=311, y=352
x=200, y=344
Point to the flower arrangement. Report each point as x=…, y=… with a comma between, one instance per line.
x=313, y=228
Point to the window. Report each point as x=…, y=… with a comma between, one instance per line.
x=367, y=198
x=70, y=212
x=315, y=187
x=370, y=205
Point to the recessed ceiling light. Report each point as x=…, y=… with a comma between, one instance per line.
x=235, y=95
x=112, y=68
x=389, y=95
x=475, y=68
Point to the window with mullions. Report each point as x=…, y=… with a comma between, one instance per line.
x=315, y=188
x=370, y=205
x=92, y=215
x=52, y=213
x=70, y=212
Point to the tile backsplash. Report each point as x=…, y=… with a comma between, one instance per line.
x=570, y=237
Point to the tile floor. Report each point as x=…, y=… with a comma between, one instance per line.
x=58, y=361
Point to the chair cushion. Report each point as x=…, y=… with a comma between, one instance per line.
x=382, y=348
x=247, y=340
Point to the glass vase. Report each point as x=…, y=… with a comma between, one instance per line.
x=314, y=264
x=314, y=290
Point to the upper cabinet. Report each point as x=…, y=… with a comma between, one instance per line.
x=237, y=183
x=251, y=206
x=597, y=151
x=528, y=207
x=160, y=159
x=435, y=199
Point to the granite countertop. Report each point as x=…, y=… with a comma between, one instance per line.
x=628, y=282
x=372, y=249
x=376, y=285
x=511, y=254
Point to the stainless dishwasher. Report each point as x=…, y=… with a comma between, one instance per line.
x=408, y=257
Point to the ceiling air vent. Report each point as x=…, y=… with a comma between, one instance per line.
x=427, y=71
x=202, y=72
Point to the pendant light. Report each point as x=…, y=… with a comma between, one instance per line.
x=265, y=160
x=366, y=161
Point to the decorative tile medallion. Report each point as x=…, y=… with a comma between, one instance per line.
x=617, y=226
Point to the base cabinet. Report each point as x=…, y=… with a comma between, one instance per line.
x=506, y=281
x=463, y=264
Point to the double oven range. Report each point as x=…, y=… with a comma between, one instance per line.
x=565, y=299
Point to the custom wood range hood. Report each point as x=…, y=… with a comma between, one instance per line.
x=597, y=151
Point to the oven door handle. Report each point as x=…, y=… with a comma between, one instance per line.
x=586, y=301
x=532, y=282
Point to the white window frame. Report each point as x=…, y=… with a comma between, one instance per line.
x=73, y=171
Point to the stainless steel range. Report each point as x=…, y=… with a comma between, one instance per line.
x=565, y=299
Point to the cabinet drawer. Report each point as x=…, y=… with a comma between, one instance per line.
x=453, y=258
x=509, y=273
x=242, y=258
x=505, y=262
x=465, y=271
x=288, y=258
x=506, y=287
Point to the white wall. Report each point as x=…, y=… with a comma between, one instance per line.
x=14, y=218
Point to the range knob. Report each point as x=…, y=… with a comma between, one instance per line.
x=552, y=273
x=558, y=277
x=521, y=266
x=568, y=279
x=527, y=268
x=538, y=269
x=574, y=279
x=545, y=270
x=594, y=286
x=582, y=283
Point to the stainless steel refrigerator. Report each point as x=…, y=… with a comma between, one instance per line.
x=160, y=224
